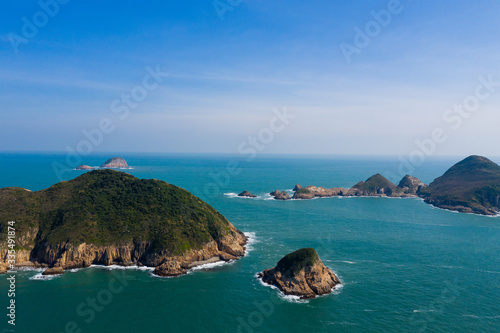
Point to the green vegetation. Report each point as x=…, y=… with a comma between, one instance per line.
x=472, y=185
x=298, y=260
x=302, y=191
x=374, y=183
x=107, y=207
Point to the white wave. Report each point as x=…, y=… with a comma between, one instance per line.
x=29, y=269
x=210, y=265
x=40, y=277
x=111, y=267
x=267, y=196
x=252, y=239
x=293, y=298
x=231, y=194
x=348, y=262
x=426, y=310
x=336, y=289
x=482, y=317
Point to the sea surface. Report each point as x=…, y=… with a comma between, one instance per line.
x=405, y=265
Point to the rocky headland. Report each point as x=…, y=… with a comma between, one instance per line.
x=301, y=273
x=106, y=217
x=470, y=186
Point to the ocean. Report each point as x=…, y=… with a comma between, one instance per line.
x=405, y=266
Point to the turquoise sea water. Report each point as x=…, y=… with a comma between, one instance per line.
x=405, y=266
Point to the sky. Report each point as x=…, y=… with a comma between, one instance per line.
x=345, y=77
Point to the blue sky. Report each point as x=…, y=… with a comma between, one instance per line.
x=226, y=76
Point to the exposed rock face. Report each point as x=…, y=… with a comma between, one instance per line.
x=84, y=167
x=229, y=248
x=247, y=194
x=53, y=271
x=278, y=195
x=311, y=192
x=297, y=187
x=301, y=273
x=470, y=186
x=115, y=162
x=67, y=256
x=410, y=184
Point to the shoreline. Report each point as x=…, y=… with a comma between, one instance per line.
x=209, y=263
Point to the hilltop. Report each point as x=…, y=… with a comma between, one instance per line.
x=470, y=186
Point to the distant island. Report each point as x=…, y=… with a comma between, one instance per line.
x=115, y=162
x=470, y=186
x=108, y=217
x=112, y=163
x=301, y=273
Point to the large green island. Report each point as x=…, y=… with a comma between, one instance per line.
x=108, y=217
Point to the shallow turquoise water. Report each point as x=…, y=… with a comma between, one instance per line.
x=405, y=266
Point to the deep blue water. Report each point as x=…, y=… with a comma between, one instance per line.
x=405, y=266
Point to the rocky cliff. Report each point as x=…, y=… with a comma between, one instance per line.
x=302, y=274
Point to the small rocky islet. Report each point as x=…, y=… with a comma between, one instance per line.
x=112, y=163
x=247, y=194
x=301, y=273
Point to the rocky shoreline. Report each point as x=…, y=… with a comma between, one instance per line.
x=470, y=186
x=56, y=260
x=375, y=186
